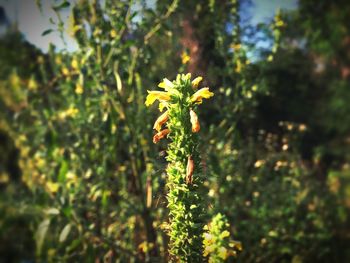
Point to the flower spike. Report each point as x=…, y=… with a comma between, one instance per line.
x=185, y=202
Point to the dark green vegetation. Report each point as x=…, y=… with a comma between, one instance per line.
x=81, y=180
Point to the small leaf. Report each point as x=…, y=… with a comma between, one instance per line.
x=63, y=171
x=41, y=233
x=46, y=32
x=64, y=233
x=52, y=211
x=65, y=4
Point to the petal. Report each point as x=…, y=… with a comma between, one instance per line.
x=202, y=93
x=156, y=95
x=224, y=234
x=166, y=84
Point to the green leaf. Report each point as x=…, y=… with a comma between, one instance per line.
x=52, y=211
x=63, y=171
x=40, y=234
x=63, y=5
x=46, y=32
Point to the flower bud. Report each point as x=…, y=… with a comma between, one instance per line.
x=189, y=170
x=194, y=121
x=160, y=135
x=160, y=121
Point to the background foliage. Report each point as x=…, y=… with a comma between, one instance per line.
x=81, y=179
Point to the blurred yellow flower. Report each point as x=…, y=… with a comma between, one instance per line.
x=236, y=46
x=279, y=23
x=75, y=64
x=185, y=58
x=145, y=247
x=41, y=60
x=70, y=112
x=58, y=60
x=225, y=234
x=65, y=71
x=79, y=89
x=238, y=68
x=113, y=33
x=201, y=94
x=208, y=250
x=259, y=163
x=32, y=85
x=235, y=245
x=223, y=252
x=52, y=187
x=302, y=127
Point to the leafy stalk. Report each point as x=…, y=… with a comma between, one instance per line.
x=186, y=206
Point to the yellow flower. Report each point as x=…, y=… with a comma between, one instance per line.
x=196, y=82
x=236, y=244
x=208, y=250
x=113, y=33
x=65, y=71
x=75, y=64
x=222, y=252
x=79, y=89
x=166, y=84
x=58, y=60
x=194, y=121
x=238, y=68
x=160, y=135
x=225, y=234
x=32, y=85
x=236, y=46
x=208, y=239
x=185, y=57
x=279, y=23
x=52, y=187
x=201, y=94
x=70, y=112
x=160, y=121
x=156, y=95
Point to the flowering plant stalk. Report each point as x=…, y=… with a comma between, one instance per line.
x=180, y=98
x=218, y=245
